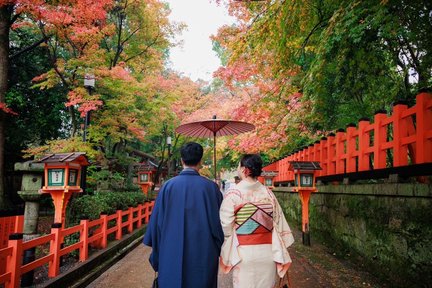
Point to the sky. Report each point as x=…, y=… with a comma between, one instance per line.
x=195, y=58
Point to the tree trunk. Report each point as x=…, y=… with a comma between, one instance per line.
x=5, y=16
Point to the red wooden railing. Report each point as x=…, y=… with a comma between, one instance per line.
x=94, y=233
x=8, y=225
x=406, y=135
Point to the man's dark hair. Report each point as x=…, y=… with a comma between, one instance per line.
x=191, y=153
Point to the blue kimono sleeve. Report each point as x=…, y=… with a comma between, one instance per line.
x=152, y=234
x=215, y=223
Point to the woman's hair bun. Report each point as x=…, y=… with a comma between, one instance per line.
x=253, y=162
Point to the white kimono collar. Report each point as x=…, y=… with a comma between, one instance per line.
x=249, y=185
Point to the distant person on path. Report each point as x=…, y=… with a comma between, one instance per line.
x=257, y=234
x=237, y=179
x=185, y=232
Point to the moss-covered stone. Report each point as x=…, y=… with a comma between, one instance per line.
x=389, y=225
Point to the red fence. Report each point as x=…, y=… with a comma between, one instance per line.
x=401, y=139
x=8, y=225
x=92, y=233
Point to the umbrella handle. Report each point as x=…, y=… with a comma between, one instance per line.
x=214, y=154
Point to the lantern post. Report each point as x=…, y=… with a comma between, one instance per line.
x=267, y=178
x=168, y=141
x=144, y=180
x=304, y=184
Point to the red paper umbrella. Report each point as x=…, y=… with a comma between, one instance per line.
x=214, y=127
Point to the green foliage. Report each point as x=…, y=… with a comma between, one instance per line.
x=346, y=59
x=91, y=206
x=351, y=75
x=367, y=55
x=70, y=240
x=41, y=113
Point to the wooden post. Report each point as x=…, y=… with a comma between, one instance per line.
x=130, y=220
x=351, y=149
x=340, y=152
x=364, y=141
x=323, y=156
x=304, y=198
x=424, y=128
x=380, y=137
x=400, y=130
x=104, y=242
x=119, y=225
x=84, y=239
x=147, y=212
x=14, y=261
x=54, y=265
x=60, y=200
x=317, y=156
x=139, y=223
x=331, y=153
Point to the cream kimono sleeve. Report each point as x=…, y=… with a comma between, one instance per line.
x=282, y=238
x=229, y=254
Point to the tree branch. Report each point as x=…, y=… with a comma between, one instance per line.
x=130, y=36
x=145, y=50
x=28, y=48
x=318, y=25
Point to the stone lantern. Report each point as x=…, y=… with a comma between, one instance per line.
x=30, y=184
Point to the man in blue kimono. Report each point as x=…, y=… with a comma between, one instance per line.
x=184, y=230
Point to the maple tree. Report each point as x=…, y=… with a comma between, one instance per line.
x=320, y=65
x=268, y=102
x=109, y=39
x=53, y=21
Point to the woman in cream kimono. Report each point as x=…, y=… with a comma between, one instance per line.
x=257, y=234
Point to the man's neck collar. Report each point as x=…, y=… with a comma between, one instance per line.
x=190, y=168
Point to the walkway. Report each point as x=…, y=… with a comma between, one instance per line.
x=312, y=267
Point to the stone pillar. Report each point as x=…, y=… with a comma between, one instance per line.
x=30, y=185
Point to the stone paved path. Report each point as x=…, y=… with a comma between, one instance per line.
x=312, y=267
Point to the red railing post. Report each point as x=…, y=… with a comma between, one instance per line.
x=309, y=153
x=147, y=212
x=14, y=261
x=340, y=152
x=289, y=175
x=19, y=223
x=323, y=156
x=119, y=225
x=424, y=128
x=364, y=142
x=351, y=149
x=317, y=151
x=331, y=153
x=144, y=215
x=84, y=240
x=104, y=226
x=130, y=220
x=380, y=137
x=400, y=130
x=139, y=223
x=54, y=265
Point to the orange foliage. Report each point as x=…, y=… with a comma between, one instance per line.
x=5, y=109
x=264, y=94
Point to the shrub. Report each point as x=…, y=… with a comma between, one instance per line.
x=91, y=206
